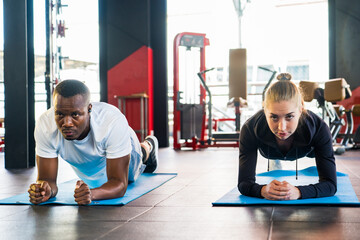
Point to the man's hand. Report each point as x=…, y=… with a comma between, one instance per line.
x=39, y=192
x=276, y=190
x=82, y=193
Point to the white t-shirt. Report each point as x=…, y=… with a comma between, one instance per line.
x=109, y=137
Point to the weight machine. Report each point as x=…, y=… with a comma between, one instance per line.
x=189, y=117
x=194, y=125
x=335, y=90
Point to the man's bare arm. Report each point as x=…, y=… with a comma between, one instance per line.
x=117, y=170
x=45, y=186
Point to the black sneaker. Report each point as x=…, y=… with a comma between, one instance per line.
x=151, y=163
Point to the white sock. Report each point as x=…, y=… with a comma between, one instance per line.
x=151, y=146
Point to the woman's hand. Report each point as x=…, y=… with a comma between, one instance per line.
x=277, y=190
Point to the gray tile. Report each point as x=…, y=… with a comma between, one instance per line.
x=217, y=178
x=191, y=197
x=189, y=231
x=181, y=208
x=307, y=214
x=315, y=230
x=167, y=189
x=148, y=200
x=207, y=215
x=64, y=230
x=7, y=211
x=51, y=213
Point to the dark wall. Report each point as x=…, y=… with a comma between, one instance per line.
x=19, y=84
x=158, y=11
x=126, y=27
x=344, y=31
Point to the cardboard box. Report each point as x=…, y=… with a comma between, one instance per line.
x=237, y=73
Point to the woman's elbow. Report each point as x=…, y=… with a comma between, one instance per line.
x=242, y=188
x=330, y=191
x=333, y=189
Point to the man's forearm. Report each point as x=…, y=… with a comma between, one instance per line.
x=109, y=190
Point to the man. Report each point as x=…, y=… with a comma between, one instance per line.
x=95, y=139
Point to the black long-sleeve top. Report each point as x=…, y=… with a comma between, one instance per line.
x=312, y=138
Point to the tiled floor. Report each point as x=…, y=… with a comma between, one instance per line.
x=181, y=208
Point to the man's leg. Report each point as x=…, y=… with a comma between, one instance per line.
x=149, y=149
x=136, y=165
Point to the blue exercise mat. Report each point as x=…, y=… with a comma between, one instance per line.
x=345, y=194
x=144, y=184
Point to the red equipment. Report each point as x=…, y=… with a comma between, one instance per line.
x=189, y=41
x=130, y=88
x=192, y=127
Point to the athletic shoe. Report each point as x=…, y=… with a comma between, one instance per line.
x=151, y=163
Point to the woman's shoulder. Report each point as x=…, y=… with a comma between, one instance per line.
x=256, y=125
x=313, y=119
x=314, y=124
x=255, y=119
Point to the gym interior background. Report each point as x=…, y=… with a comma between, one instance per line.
x=109, y=43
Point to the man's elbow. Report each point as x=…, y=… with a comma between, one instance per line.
x=122, y=193
x=121, y=189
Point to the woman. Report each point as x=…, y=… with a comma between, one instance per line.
x=285, y=130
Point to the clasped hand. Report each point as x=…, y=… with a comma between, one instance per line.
x=41, y=192
x=82, y=193
x=277, y=190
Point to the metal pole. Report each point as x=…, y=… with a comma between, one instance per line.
x=48, y=59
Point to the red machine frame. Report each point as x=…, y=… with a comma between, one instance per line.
x=205, y=140
x=177, y=126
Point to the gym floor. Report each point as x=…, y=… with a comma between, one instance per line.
x=181, y=208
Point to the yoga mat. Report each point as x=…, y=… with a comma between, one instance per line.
x=345, y=194
x=144, y=184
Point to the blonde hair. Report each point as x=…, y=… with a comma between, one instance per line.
x=284, y=90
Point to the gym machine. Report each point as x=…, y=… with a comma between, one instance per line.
x=194, y=125
x=335, y=90
x=355, y=109
x=189, y=116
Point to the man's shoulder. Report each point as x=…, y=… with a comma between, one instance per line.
x=104, y=107
x=47, y=117
x=103, y=114
x=46, y=125
x=108, y=125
